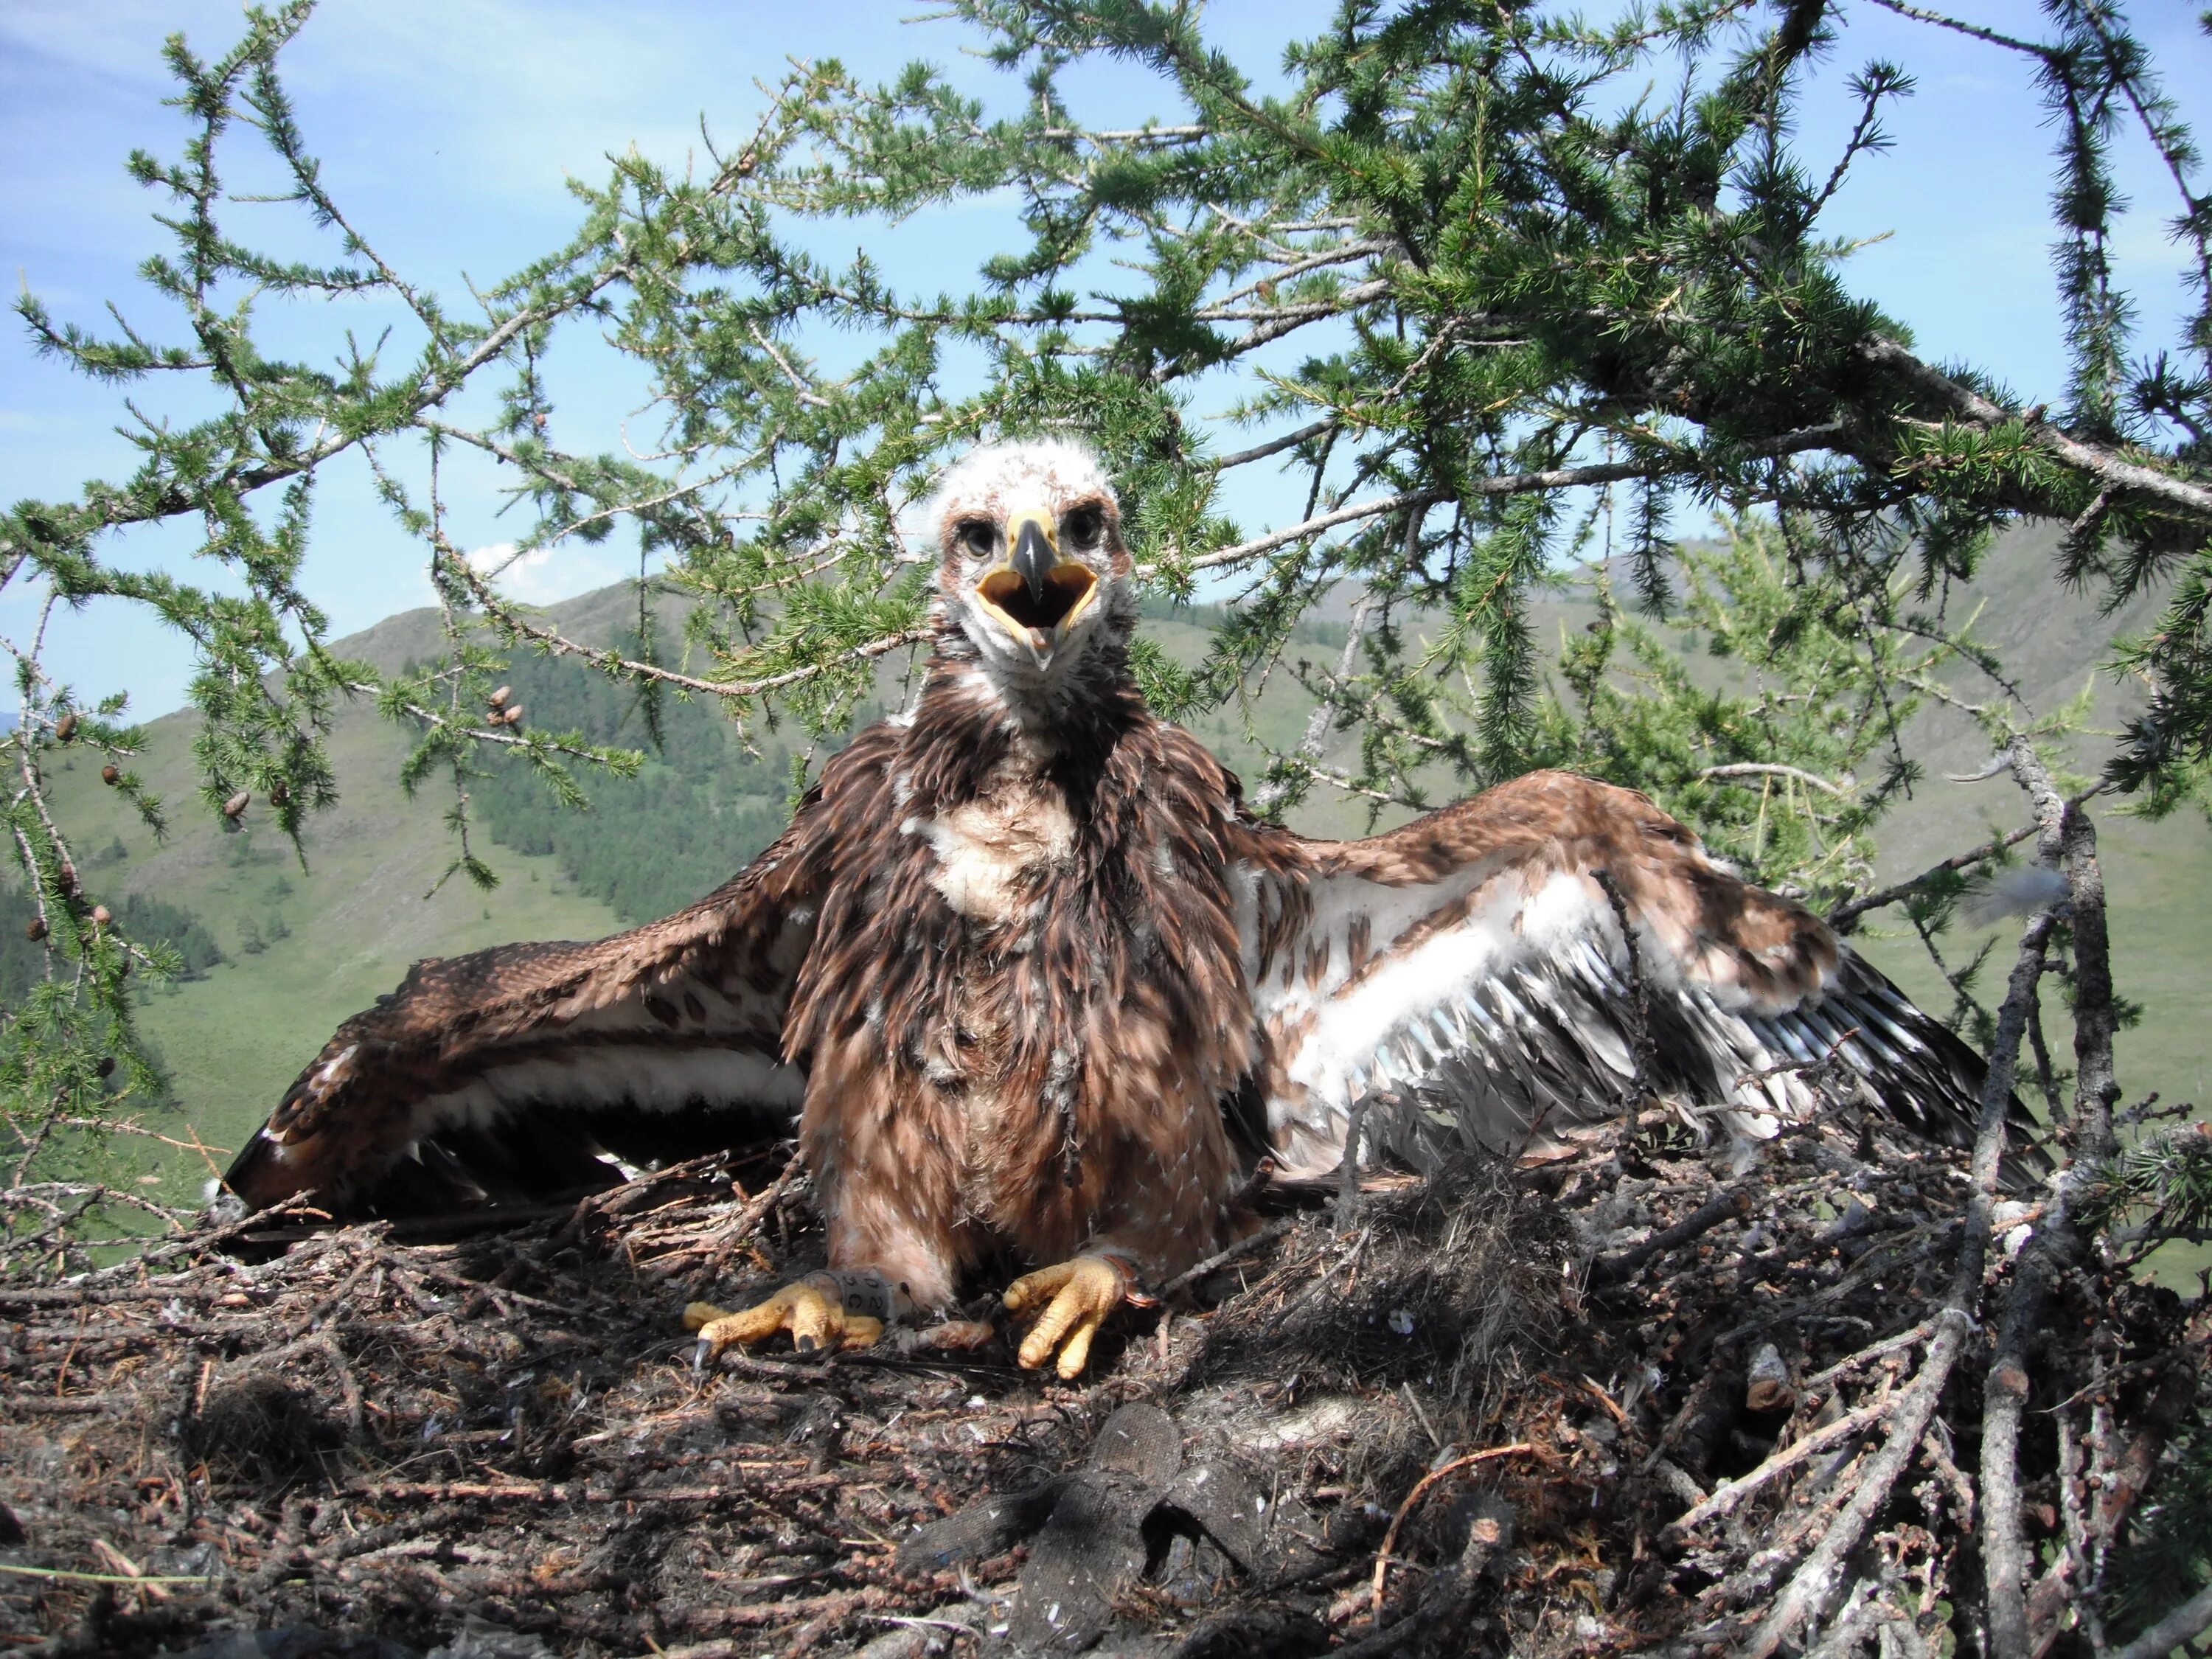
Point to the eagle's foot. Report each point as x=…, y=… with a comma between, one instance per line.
x=1076, y=1296
x=813, y=1310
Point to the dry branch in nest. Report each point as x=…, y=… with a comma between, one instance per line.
x=1602, y=1404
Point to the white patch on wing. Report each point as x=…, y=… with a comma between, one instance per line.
x=1339, y=903
x=336, y=1070
x=649, y=1080
x=1469, y=995
x=1399, y=993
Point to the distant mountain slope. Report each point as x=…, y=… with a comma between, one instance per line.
x=2158, y=876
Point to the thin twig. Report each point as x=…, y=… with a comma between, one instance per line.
x=1398, y=1520
x=1267, y=1234
x=1846, y=915
x=1805, y=1599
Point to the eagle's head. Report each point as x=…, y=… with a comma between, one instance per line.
x=1031, y=571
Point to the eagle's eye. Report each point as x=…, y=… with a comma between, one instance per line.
x=1085, y=525
x=979, y=536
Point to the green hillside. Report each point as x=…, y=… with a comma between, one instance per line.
x=332, y=937
x=298, y=949
x=278, y=955
x=2158, y=876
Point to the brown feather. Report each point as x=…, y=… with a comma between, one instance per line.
x=1046, y=1073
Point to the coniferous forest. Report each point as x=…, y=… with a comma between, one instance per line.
x=697, y=811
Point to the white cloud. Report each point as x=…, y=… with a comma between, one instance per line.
x=545, y=575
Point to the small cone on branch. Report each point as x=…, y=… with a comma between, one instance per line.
x=106, y=1067
x=101, y=916
x=237, y=804
x=110, y=773
x=513, y=716
x=499, y=698
x=35, y=929
x=69, y=879
x=278, y=795
x=65, y=727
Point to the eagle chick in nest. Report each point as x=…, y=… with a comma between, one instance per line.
x=1040, y=991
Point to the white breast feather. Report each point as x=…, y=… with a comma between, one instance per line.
x=985, y=849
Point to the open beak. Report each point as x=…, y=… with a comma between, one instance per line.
x=1036, y=596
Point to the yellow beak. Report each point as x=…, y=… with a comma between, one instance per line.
x=1036, y=596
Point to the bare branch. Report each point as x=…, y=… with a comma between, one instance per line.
x=2192, y=500
x=1316, y=736
x=1763, y=769
x=1843, y=917
x=2182, y=1626
x=561, y=646
x=1921, y=14
x=1274, y=446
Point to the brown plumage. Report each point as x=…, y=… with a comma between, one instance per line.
x=1039, y=988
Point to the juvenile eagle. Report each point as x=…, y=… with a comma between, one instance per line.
x=1039, y=988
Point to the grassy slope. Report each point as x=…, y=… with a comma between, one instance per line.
x=233, y=1040
x=358, y=915
x=2158, y=876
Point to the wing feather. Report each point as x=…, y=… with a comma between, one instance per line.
x=1474, y=963
x=526, y=1070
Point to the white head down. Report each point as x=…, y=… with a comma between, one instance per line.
x=1032, y=575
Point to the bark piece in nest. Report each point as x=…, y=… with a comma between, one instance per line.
x=1093, y=1544
x=1214, y=1497
x=981, y=1530
x=1136, y=1506
x=1262, y=1632
x=1091, y=1549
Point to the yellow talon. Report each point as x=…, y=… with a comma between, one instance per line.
x=814, y=1315
x=1076, y=1296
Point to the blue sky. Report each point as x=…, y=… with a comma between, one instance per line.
x=447, y=128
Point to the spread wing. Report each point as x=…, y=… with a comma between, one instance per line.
x=515, y=1072
x=1474, y=963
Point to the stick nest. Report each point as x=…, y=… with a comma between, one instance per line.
x=1468, y=1414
